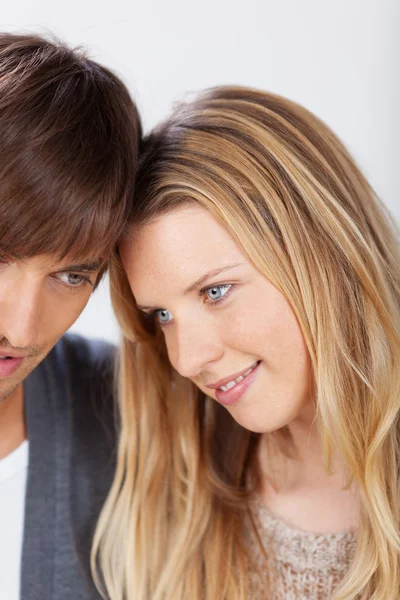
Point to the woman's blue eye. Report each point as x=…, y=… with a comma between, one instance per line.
x=216, y=292
x=163, y=316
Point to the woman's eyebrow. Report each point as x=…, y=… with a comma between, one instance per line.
x=199, y=282
x=204, y=278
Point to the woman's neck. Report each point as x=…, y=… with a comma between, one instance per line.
x=296, y=487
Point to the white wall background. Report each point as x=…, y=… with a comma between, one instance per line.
x=338, y=58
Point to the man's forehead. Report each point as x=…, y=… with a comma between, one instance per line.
x=56, y=262
x=86, y=262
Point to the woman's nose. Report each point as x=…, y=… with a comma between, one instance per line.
x=194, y=346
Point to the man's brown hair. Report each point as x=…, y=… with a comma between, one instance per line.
x=69, y=136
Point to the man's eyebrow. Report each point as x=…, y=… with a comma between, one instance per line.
x=89, y=267
x=199, y=282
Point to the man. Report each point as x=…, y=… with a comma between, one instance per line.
x=68, y=147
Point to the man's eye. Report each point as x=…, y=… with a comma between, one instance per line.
x=73, y=279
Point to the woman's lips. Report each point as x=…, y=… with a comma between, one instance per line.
x=9, y=365
x=236, y=393
x=223, y=382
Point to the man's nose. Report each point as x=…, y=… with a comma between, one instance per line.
x=195, y=346
x=20, y=309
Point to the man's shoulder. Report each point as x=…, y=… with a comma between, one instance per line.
x=81, y=378
x=72, y=430
x=79, y=364
x=88, y=356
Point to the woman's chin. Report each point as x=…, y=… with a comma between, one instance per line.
x=258, y=421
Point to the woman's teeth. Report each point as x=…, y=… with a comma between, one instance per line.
x=231, y=384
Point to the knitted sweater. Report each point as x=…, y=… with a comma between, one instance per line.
x=304, y=566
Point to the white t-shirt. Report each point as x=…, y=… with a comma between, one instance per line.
x=13, y=476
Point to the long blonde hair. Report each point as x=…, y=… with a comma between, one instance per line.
x=292, y=198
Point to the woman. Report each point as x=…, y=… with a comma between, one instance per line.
x=260, y=388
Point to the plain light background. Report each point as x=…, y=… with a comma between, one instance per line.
x=339, y=59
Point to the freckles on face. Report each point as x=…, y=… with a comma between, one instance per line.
x=211, y=342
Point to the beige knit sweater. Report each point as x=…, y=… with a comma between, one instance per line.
x=306, y=566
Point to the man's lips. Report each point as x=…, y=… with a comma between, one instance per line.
x=10, y=354
x=8, y=365
x=221, y=382
x=10, y=361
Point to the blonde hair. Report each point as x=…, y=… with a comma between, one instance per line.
x=293, y=199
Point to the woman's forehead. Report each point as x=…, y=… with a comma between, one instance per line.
x=189, y=235
x=178, y=248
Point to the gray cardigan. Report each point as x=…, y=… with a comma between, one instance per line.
x=70, y=421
